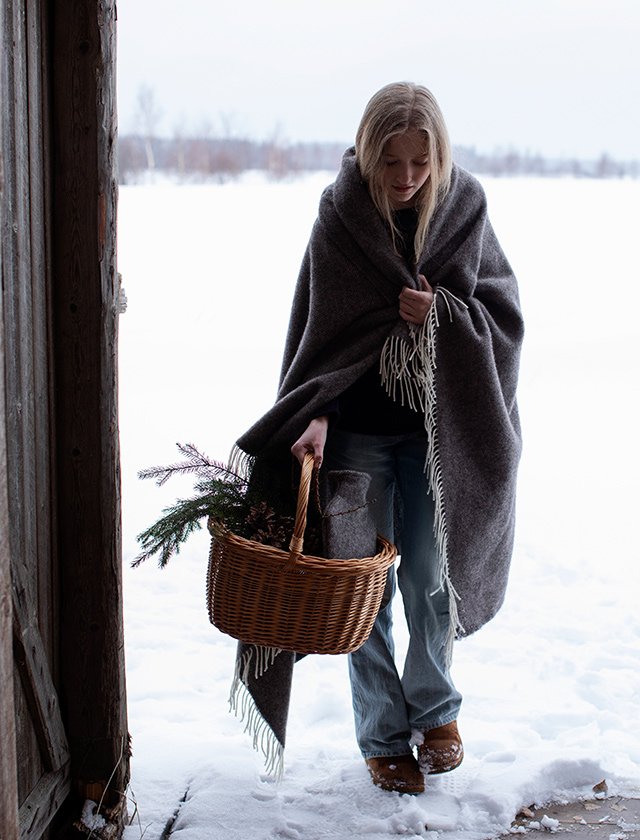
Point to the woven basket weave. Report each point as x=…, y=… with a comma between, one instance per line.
x=266, y=596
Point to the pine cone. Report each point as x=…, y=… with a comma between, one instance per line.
x=267, y=527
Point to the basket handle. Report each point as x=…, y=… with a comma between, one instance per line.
x=297, y=540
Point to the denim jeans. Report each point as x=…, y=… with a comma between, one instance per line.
x=388, y=707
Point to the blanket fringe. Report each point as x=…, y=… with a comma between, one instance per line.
x=240, y=462
x=407, y=370
x=240, y=700
x=243, y=705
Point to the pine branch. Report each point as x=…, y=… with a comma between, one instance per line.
x=222, y=495
x=196, y=462
x=165, y=537
x=221, y=500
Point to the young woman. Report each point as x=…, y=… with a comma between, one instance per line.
x=401, y=361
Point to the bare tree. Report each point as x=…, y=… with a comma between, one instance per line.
x=178, y=149
x=278, y=163
x=148, y=117
x=200, y=151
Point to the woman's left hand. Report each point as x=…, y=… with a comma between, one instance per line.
x=414, y=304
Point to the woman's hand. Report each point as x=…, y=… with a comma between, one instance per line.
x=414, y=304
x=313, y=440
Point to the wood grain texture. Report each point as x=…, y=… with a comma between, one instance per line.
x=40, y=223
x=40, y=692
x=43, y=802
x=85, y=322
x=59, y=447
x=18, y=340
x=9, y=829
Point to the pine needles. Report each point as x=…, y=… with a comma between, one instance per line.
x=222, y=495
x=196, y=462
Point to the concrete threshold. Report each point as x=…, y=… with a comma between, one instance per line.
x=609, y=818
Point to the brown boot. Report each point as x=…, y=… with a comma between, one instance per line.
x=396, y=772
x=441, y=749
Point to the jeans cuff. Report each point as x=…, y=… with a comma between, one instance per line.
x=416, y=732
x=387, y=753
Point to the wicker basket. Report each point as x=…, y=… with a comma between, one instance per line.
x=266, y=596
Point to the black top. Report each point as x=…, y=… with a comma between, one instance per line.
x=365, y=406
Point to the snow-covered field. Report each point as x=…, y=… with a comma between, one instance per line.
x=551, y=686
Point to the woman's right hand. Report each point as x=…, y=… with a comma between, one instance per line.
x=313, y=440
x=415, y=304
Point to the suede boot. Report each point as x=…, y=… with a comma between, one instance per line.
x=396, y=772
x=441, y=749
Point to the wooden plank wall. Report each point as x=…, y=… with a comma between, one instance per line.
x=27, y=371
x=41, y=767
x=9, y=829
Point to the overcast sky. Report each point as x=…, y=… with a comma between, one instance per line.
x=552, y=76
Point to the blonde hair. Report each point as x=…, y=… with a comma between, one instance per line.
x=392, y=111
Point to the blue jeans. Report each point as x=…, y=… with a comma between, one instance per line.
x=388, y=707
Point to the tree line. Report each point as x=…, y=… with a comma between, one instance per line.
x=219, y=159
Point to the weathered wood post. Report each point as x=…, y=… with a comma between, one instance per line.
x=12, y=167
x=85, y=317
x=8, y=783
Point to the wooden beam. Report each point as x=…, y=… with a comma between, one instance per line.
x=37, y=23
x=8, y=775
x=85, y=296
x=9, y=827
x=43, y=803
x=31, y=659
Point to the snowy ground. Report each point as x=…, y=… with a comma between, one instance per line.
x=551, y=686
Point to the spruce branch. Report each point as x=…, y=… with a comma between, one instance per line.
x=196, y=462
x=222, y=495
x=166, y=535
x=220, y=500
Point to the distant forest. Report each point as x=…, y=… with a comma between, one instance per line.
x=220, y=159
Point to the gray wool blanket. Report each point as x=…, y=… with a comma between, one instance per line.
x=460, y=369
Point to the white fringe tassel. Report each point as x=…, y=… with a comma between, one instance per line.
x=240, y=462
x=240, y=700
x=242, y=703
x=407, y=370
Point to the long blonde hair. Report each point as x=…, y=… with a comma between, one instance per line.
x=394, y=110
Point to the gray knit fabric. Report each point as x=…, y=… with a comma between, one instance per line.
x=348, y=526
x=344, y=311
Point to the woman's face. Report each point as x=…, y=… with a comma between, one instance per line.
x=405, y=168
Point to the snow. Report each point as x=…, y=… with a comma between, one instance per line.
x=549, y=823
x=89, y=818
x=551, y=685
